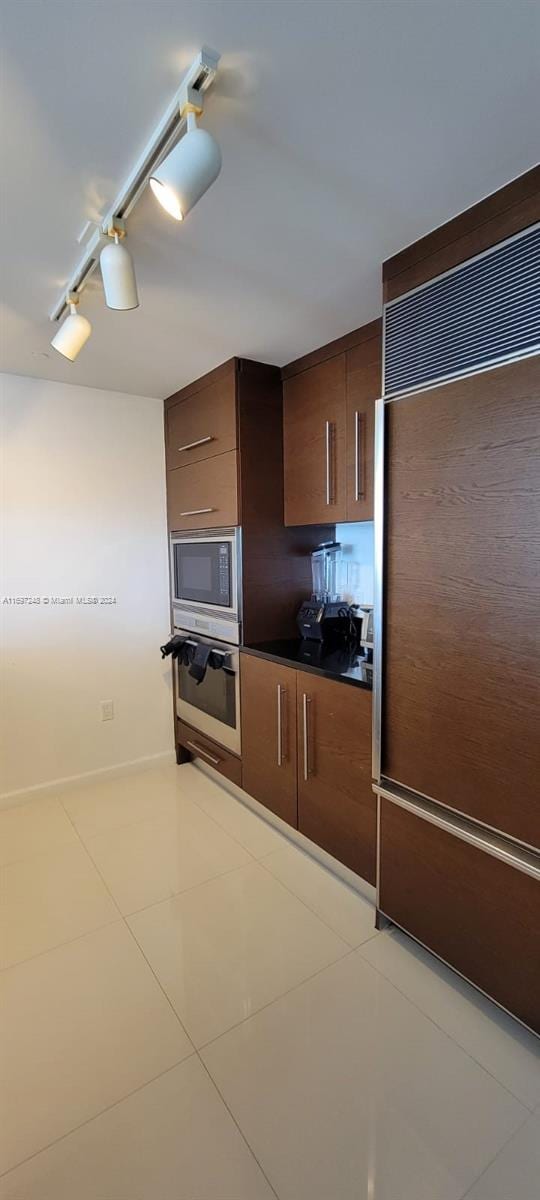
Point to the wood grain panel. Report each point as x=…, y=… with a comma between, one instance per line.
x=363, y=374
x=477, y=913
x=276, y=560
x=270, y=782
x=462, y=651
x=336, y=805
x=340, y=345
x=310, y=400
x=211, y=484
x=218, y=374
x=507, y=211
x=210, y=413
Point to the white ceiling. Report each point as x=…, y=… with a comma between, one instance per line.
x=348, y=130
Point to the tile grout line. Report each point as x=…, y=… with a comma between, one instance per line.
x=276, y=999
x=239, y=1127
x=154, y=817
x=506, y=1143
x=445, y=1032
x=95, y=1116
x=21, y=962
x=135, y=942
x=287, y=844
x=317, y=914
x=186, y=891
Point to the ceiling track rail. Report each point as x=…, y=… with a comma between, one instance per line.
x=190, y=95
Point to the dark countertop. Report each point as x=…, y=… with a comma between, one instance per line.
x=331, y=661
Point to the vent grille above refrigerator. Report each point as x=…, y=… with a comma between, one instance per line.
x=483, y=312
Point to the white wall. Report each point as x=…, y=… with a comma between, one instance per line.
x=357, y=541
x=83, y=514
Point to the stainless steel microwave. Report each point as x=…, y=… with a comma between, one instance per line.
x=205, y=572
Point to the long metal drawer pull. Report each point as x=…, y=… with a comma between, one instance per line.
x=358, y=490
x=427, y=810
x=205, y=754
x=199, y=442
x=305, y=701
x=279, y=727
x=328, y=494
x=196, y=512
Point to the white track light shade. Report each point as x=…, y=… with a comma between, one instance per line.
x=187, y=172
x=118, y=275
x=72, y=335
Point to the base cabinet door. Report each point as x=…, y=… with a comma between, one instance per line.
x=268, y=705
x=336, y=805
x=479, y=914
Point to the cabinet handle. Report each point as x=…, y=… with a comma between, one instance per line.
x=328, y=500
x=205, y=754
x=306, y=700
x=358, y=483
x=280, y=692
x=196, y=512
x=199, y=442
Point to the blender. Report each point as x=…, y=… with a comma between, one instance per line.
x=322, y=614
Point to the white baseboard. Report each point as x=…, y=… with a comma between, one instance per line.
x=293, y=835
x=22, y=795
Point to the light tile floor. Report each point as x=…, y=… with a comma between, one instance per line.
x=193, y=1009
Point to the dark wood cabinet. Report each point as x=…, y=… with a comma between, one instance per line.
x=306, y=755
x=205, y=494
x=336, y=805
x=479, y=914
x=224, y=452
x=314, y=405
x=328, y=430
x=363, y=376
x=268, y=708
x=190, y=743
x=204, y=424
x=462, y=654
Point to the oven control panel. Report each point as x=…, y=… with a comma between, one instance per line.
x=206, y=625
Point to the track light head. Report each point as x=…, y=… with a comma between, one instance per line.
x=118, y=274
x=188, y=171
x=73, y=333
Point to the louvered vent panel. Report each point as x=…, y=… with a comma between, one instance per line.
x=485, y=311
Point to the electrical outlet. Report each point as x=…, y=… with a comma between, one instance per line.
x=107, y=710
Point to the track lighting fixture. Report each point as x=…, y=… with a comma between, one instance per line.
x=74, y=332
x=187, y=172
x=118, y=272
x=180, y=161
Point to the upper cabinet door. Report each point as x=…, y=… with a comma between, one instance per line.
x=203, y=425
x=363, y=369
x=314, y=404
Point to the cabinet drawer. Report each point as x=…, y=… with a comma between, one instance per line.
x=204, y=495
x=479, y=914
x=202, y=426
x=203, y=747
